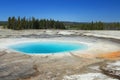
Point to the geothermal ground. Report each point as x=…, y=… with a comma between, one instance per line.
x=101, y=61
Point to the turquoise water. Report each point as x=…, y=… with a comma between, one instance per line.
x=46, y=47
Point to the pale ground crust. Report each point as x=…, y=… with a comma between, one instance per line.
x=74, y=65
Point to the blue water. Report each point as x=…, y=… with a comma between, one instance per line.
x=46, y=47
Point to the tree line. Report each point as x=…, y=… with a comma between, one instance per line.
x=33, y=23
x=94, y=26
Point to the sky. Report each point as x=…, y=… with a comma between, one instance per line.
x=62, y=10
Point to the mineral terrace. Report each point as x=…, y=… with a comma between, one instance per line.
x=100, y=62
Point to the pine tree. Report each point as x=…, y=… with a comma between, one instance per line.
x=9, y=26
x=13, y=23
x=18, y=27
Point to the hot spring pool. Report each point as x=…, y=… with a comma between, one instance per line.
x=46, y=47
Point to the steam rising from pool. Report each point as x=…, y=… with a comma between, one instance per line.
x=46, y=47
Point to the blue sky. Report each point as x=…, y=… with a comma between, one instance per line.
x=63, y=10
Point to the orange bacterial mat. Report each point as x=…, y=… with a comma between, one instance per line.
x=111, y=55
